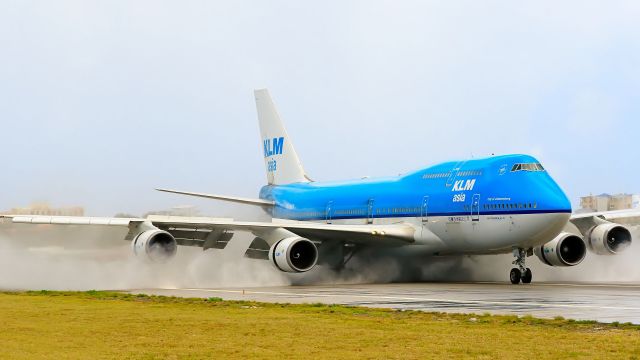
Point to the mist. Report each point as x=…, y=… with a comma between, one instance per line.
x=401, y=265
x=96, y=258
x=85, y=258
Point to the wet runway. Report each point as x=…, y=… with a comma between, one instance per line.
x=580, y=301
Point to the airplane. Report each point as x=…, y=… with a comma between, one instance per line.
x=494, y=205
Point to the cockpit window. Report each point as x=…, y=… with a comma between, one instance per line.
x=527, y=167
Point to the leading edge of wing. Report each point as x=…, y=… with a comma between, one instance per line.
x=241, y=200
x=608, y=214
x=626, y=216
x=69, y=220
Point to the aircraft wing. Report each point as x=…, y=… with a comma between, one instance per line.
x=214, y=232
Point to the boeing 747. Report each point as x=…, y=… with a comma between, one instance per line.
x=495, y=205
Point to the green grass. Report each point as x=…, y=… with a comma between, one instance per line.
x=97, y=324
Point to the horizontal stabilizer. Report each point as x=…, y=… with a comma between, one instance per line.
x=241, y=200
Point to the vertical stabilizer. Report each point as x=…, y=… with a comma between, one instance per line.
x=280, y=158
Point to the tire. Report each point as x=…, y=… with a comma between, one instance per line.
x=527, y=276
x=515, y=276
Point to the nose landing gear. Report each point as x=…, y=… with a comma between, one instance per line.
x=521, y=272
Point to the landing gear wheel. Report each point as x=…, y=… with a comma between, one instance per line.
x=515, y=275
x=521, y=272
x=527, y=276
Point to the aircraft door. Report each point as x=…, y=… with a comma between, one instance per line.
x=475, y=208
x=328, y=212
x=424, y=212
x=370, y=211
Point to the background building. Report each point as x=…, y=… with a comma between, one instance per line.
x=607, y=202
x=43, y=208
x=182, y=210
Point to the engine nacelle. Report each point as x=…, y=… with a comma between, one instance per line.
x=294, y=254
x=565, y=250
x=154, y=245
x=608, y=239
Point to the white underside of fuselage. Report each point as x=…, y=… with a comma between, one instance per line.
x=483, y=234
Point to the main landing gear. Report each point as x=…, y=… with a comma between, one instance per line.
x=521, y=272
x=348, y=250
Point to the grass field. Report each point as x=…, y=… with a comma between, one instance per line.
x=112, y=325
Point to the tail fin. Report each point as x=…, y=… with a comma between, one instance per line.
x=280, y=159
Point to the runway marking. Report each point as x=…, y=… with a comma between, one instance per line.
x=452, y=301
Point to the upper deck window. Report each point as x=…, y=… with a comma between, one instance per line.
x=445, y=175
x=527, y=167
x=435, y=176
x=470, y=173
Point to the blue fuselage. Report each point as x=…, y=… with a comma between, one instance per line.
x=498, y=185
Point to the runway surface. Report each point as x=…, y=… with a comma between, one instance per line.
x=580, y=301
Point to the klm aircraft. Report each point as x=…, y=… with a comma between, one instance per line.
x=495, y=205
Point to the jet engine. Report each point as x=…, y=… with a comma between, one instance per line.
x=608, y=238
x=565, y=250
x=294, y=254
x=154, y=245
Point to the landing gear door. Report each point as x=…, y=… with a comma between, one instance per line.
x=424, y=212
x=475, y=208
x=328, y=212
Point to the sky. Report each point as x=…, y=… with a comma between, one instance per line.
x=101, y=101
